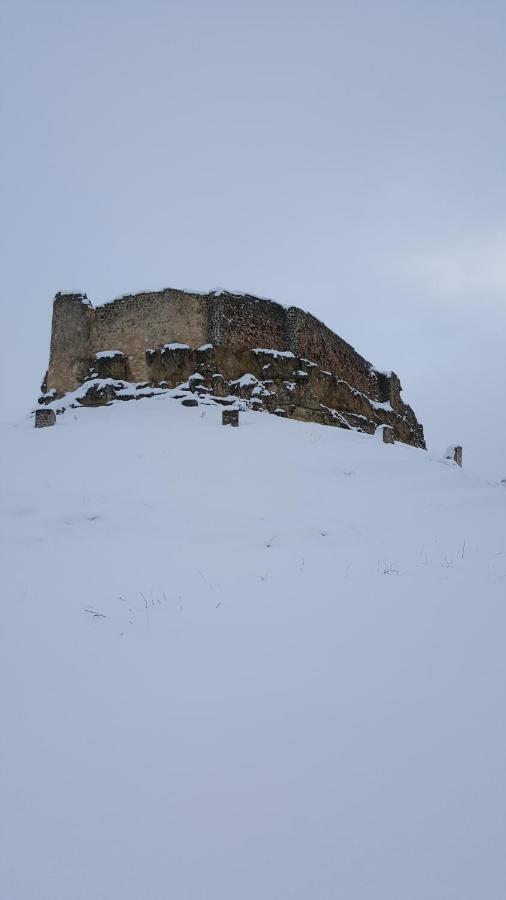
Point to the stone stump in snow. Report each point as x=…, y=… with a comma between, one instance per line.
x=44, y=417
x=388, y=434
x=455, y=454
x=230, y=417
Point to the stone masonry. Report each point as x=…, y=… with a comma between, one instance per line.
x=219, y=344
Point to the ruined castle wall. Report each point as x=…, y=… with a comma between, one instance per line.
x=341, y=386
x=247, y=322
x=70, y=342
x=136, y=323
x=310, y=338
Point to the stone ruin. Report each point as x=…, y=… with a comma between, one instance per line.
x=44, y=418
x=454, y=454
x=219, y=348
x=230, y=417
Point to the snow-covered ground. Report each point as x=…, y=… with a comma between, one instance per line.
x=264, y=663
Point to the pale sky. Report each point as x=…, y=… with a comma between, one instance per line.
x=344, y=157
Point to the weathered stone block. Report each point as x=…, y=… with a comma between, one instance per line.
x=44, y=417
x=189, y=401
x=388, y=434
x=455, y=454
x=230, y=417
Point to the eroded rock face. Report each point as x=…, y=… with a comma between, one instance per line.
x=295, y=387
x=111, y=364
x=388, y=435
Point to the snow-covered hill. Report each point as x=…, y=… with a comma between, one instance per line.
x=264, y=663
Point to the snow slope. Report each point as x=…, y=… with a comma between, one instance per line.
x=264, y=663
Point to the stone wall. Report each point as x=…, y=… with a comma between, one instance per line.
x=247, y=322
x=131, y=324
x=70, y=350
x=140, y=325
x=312, y=339
x=137, y=323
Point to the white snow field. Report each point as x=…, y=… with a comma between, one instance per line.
x=254, y=663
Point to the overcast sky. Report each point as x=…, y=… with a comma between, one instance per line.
x=345, y=157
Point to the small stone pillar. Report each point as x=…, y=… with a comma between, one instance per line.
x=455, y=454
x=388, y=434
x=44, y=417
x=230, y=417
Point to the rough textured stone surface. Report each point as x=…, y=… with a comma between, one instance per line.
x=455, y=454
x=98, y=395
x=44, y=417
x=279, y=359
x=388, y=435
x=113, y=365
x=230, y=417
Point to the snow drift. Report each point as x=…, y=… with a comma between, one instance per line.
x=264, y=662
